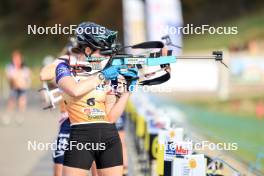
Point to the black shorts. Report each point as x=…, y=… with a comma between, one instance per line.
x=97, y=142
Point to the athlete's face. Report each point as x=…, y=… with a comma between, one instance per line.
x=95, y=53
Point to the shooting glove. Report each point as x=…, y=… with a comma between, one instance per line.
x=110, y=73
x=131, y=76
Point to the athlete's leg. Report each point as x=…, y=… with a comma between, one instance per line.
x=124, y=149
x=72, y=171
x=58, y=169
x=116, y=171
x=94, y=170
x=78, y=160
x=110, y=160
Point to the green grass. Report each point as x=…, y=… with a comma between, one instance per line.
x=242, y=106
x=249, y=27
x=218, y=126
x=247, y=132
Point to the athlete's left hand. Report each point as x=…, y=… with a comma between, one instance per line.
x=131, y=76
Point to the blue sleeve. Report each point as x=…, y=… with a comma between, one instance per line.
x=62, y=70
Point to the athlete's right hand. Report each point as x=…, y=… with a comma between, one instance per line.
x=110, y=73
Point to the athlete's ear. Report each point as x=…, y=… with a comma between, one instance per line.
x=88, y=51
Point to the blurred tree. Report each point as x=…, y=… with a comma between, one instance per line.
x=5, y=8
x=68, y=12
x=214, y=11
x=15, y=15
x=31, y=11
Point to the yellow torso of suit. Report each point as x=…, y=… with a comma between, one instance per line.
x=88, y=108
x=62, y=107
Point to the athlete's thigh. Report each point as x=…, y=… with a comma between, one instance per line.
x=58, y=169
x=116, y=171
x=122, y=136
x=72, y=171
x=94, y=170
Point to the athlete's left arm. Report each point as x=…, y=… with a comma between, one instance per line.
x=114, y=107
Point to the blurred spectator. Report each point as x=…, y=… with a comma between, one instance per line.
x=253, y=47
x=260, y=110
x=18, y=76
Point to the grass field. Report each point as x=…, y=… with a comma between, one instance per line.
x=218, y=126
x=247, y=132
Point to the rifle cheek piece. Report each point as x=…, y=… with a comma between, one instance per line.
x=156, y=81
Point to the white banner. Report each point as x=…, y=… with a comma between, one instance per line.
x=134, y=23
x=190, y=165
x=161, y=16
x=173, y=135
x=192, y=76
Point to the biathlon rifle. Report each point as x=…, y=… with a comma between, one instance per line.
x=126, y=61
x=51, y=97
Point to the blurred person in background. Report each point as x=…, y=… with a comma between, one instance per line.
x=18, y=76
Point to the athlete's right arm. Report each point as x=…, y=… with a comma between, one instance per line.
x=70, y=86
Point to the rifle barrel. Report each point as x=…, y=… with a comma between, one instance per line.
x=195, y=57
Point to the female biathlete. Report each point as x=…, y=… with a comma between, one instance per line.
x=48, y=74
x=92, y=109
